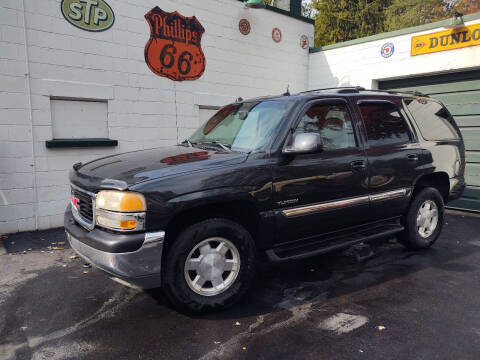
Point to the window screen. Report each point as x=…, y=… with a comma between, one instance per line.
x=333, y=124
x=384, y=124
x=434, y=121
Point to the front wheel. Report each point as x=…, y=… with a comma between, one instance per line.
x=209, y=266
x=423, y=220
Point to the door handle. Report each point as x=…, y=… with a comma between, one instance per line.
x=358, y=165
x=412, y=157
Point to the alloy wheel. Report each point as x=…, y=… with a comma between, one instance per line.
x=212, y=266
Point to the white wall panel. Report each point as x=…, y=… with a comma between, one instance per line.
x=143, y=109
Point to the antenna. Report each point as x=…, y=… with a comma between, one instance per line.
x=287, y=93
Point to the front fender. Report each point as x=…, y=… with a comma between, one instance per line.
x=213, y=196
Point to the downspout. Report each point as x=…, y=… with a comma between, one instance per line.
x=30, y=115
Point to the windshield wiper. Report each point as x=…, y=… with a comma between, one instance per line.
x=223, y=146
x=186, y=141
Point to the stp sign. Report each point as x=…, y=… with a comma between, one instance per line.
x=174, y=50
x=90, y=15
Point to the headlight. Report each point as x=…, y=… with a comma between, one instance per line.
x=120, y=201
x=120, y=210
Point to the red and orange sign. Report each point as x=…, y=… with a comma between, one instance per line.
x=174, y=48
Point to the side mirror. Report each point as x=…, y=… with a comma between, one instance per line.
x=304, y=143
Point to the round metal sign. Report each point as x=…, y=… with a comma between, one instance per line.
x=276, y=35
x=88, y=15
x=387, y=50
x=244, y=26
x=304, y=42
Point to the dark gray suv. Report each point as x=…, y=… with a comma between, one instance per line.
x=289, y=177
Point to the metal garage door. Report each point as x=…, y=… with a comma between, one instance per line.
x=460, y=92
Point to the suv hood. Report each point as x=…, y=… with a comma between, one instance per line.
x=123, y=170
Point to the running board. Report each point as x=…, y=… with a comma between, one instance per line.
x=296, y=252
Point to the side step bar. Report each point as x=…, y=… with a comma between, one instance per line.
x=285, y=253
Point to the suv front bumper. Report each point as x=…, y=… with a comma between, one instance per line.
x=132, y=258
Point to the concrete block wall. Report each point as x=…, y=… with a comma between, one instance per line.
x=17, y=195
x=144, y=110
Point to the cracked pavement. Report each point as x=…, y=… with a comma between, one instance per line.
x=398, y=304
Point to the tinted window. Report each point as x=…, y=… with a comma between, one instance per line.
x=384, y=124
x=432, y=118
x=333, y=124
x=243, y=126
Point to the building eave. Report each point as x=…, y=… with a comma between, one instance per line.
x=387, y=35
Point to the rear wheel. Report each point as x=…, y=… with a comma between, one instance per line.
x=209, y=266
x=423, y=220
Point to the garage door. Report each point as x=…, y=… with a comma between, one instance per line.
x=460, y=92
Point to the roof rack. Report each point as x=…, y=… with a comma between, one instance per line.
x=340, y=89
x=411, y=92
x=357, y=89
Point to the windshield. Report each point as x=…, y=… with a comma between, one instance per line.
x=242, y=127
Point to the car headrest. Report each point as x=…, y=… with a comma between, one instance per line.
x=333, y=122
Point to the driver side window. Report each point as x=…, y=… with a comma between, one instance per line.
x=333, y=124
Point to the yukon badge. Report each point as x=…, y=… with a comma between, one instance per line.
x=174, y=49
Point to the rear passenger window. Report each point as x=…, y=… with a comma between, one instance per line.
x=384, y=124
x=434, y=121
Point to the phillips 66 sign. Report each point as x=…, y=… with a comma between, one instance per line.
x=174, y=50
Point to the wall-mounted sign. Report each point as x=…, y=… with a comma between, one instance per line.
x=446, y=40
x=90, y=15
x=174, y=48
x=387, y=50
x=276, y=35
x=304, y=42
x=244, y=26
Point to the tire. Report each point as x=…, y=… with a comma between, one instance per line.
x=417, y=237
x=178, y=281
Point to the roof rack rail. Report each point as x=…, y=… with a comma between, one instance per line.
x=340, y=89
x=411, y=92
x=357, y=89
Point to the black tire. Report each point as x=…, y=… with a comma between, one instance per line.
x=411, y=237
x=174, y=284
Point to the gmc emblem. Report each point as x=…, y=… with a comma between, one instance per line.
x=75, y=202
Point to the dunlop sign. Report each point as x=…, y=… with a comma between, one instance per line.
x=90, y=15
x=446, y=40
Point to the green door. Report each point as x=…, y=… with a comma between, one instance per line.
x=460, y=92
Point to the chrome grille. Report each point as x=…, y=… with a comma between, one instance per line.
x=84, y=214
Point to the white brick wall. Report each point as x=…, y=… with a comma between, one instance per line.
x=143, y=109
x=17, y=195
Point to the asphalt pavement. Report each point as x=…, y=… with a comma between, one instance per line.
x=399, y=304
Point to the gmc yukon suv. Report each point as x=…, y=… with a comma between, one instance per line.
x=283, y=177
